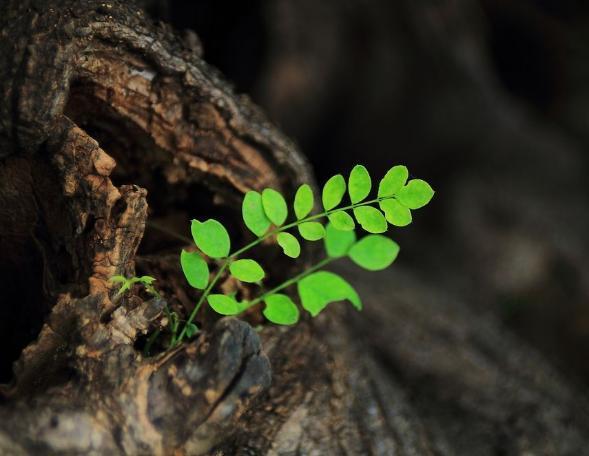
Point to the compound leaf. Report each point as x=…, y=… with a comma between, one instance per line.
x=253, y=213
x=359, y=184
x=247, y=270
x=393, y=181
x=321, y=288
x=311, y=231
x=281, y=310
x=333, y=192
x=395, y=213
x=342, y=221
x=417, y=193
x=303, y=202
x=371, y=219
x=211, y=237
x=290, y=245
x=195, y=269
x=337, y=242
x=274, y=206
x=374, y=252
x=224, y=305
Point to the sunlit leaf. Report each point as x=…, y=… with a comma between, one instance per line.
x=393, y=181
x=337, y=242
x=247, y=270
x=274, y=206
x=281, y=310
x=253, y=213
x=290, y=245
x=371, y=219
x=321, y=288
x=342, y=220
x=374, y=252
x=359, y=184
x=311, y=231
x=417, y=193
x=333, y=192
x=303, y=202
x=224, y=305
x=395, y=213
x=211, y=237
x=195, y=269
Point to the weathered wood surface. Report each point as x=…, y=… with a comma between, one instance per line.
x=108, y=122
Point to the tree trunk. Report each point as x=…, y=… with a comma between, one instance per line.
x=113, y=134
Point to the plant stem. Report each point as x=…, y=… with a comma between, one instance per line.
x=254, y=243
x=291, y=281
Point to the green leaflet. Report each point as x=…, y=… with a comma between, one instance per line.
x=247, y=270
x=393, y=181
x=321, y=288
x=274, y=206
x=395, y=213
x=359, y=184
x=290, y=245
x=253, y=213
x=333, y=192
x=265, y=214
x=371, y=219
x=342, y=220
x=191, y=329
x=417, y=193
x=281, y=310
x=311, y=231
x=195, y=269
x=303, y=202
x=374, y=252
x=224, y=305
x=337, y=242
x=211, y=237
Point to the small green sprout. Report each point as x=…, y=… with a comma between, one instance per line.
x=265, y=214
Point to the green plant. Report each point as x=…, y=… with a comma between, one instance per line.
x=265, y=215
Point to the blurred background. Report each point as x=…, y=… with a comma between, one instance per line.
x=488, y=100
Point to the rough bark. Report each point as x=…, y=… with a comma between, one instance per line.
x=110, y=124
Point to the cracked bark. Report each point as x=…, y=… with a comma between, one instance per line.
x=108, y=121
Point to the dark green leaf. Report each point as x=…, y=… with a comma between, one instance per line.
x=333, y=192
x=342, y=221
x=417, y=193
x=247, y=270
x=311, y=231
x=337, y=242
x=195, y=269
x=393, y=181
x=224, y=305
x=395, y=213
x=274, y=206
x=359, y=184
x=290, y=245
x=281, y=310
x=320, y=288
x=371, y=219
x=374, y=252
x=211, y=237
x=303, y=202
x=253, y=213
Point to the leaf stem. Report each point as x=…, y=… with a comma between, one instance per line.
x=291, y=281
x=231, y=257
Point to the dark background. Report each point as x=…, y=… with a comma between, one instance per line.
x=487, y=100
